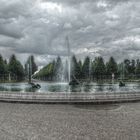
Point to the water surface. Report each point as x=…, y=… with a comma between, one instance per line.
x=64, y=87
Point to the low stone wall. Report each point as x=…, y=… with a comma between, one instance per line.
x=56, y=97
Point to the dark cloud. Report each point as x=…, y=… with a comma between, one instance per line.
x=94, y=27
x=11, y=30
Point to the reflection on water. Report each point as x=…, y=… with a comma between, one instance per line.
x=64, y=87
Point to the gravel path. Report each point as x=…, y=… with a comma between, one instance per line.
x=69, y=122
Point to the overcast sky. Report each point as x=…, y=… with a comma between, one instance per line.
x=94, y=27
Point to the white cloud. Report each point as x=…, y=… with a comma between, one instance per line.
x=128, y=40
x=51, y=7
x=102, y=4
x=39, y=27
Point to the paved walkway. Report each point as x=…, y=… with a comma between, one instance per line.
x=69, y=122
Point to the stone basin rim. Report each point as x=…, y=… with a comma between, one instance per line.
x=31, y=97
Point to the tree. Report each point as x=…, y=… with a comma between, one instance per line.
x=2, y=66
x=16, y=68
x=86, y=68
x=6, y=66
x=133, y=67
x=58, y=69
x=111, y=66
x=75, y=69
x=137, y=70
x=66, y=69
x=99, y=68
x=80, y=64
x=3, y=69
x=34, y=66
x=129, y=67
x=30, y=61
x=46, y=73
x=5, y=62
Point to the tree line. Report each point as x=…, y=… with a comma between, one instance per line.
x=53, y=71
x=57, y=70
x=89, y=69
x=13, y=70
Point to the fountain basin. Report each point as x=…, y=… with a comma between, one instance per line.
x=64, y=93
x=57, y=97
x=65, y=87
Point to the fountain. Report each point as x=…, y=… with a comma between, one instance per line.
x=30, y=76
x=121, y=83
x=72, y=81
x=67, y=82
x=76, y=88
x=69, y=59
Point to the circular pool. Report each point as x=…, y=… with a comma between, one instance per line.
x=65, y=87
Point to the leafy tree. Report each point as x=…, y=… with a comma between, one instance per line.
x=2, y=66
x=55, y=70
x=16, y=68
x=6, y=66
x=99, y=68
x=129, y=67
x=58, y=69
x=33, y=66
x=80, y=64
x=5, y=62
x=111, y=66
x=133, y=67
x=26, y=68
x=52, y=71
x=121, y=70
x=46, y=73
x=137, y=70
x=75, y=69
x=86, y=68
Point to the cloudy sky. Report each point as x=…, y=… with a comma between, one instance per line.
x=94, y=27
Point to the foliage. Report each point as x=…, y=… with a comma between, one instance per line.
x=99, y=69
x=75, y=69
x=86, y=68
x=33, y=67
x=16, y=68
x=93, y=69
x=3, y=68
x=137, y=70
x=111, y=67
x=58, y=69
x=47, y=72
x=52, y=71
x=129, y=67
